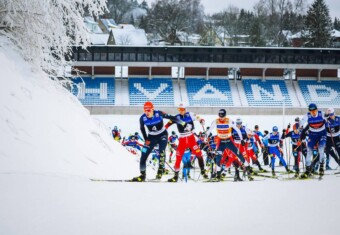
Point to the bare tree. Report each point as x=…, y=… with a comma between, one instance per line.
x=118, y=10
x=168, y=17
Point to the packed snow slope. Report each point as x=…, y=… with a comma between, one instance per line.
x=51, y=146
x=45, y=129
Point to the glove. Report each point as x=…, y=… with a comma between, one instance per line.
x=202, y=121
x=284, y=130
x=243, y=143
x=288, y=126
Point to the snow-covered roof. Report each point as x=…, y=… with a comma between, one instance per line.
x=89, y=20
x=126, y=26
x=286, y=33
x=108, y=23
x=91, y=25
x=129, y=35
x=99, y=38
x=335, y=33
x=297, y=35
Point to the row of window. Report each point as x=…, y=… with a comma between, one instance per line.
x=210, y=58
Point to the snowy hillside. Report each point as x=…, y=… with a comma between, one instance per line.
x=44, y=129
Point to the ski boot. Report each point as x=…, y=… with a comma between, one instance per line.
x=159, y=173
x=296, y=175
x=289, y=170
x=219, y=176
x=250, y=172
x=307, y=173
x=273, y=173
x=321, y=169
x=165, y=171
x=223, y=175
x=261, y=170
x=237, y=175
x=140, y=178
x=188, y=175
x=175, y=178
x=204, y=174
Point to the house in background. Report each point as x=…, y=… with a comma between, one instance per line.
x=298, y=38
x=97, y=37
x=92, y=25
x=107, y=24
x=336, y=38
x=127, y=34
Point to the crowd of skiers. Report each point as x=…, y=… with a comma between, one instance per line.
x=314, y=139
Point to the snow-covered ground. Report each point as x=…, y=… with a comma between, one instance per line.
x=51, y=147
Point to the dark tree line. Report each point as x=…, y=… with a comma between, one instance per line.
x=269, y=24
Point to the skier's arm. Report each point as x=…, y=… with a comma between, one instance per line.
x=172, y=118
x=303, y=132
x=168, y=124
x=142, y=128
x=195, y=117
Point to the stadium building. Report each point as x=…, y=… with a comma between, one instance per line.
x=119, y=79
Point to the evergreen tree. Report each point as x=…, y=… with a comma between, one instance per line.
x=257, y=33
x=144, y=5
x=132, y=20
x=336, y=24
x=318, y=25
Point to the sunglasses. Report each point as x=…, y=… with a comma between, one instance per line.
x=181, y=109
x=147, y=110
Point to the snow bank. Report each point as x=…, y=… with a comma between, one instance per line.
x=45, y=129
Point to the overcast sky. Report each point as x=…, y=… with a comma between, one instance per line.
x=213, y=6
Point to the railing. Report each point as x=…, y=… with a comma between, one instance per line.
x=303, y=56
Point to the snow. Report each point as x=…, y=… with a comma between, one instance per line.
x=128, y=35
x=335, y=33
x=99, y=38
x=51, y=146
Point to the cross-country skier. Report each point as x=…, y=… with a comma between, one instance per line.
x=132, y=142
x=224, y=126
x=137, y=136
x=187, y=139
x=256, y=140
x=295, y=136
x=316, y=126
x=116, y=134
x=172, y=144
x=265, y=149
x=333, y=135
x=274, y=140
x=247, y=150
x=157, y=134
